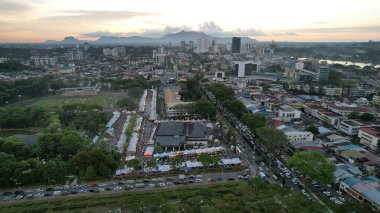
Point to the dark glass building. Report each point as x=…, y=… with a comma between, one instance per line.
x=236, y=44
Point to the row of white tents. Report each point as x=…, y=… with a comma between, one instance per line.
x=143, y=101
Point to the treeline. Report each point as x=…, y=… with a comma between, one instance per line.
x=31, y=87
x=53, y=158
x=139, y=82
x=12, y=66
x=72, y=116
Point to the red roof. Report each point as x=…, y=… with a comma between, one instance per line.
x=371, y=132
x=277, y=124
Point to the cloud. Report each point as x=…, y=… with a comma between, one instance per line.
x=374, y=28
x=215, y=30
x=98, y=34
x=164, y=31
x=284, y=34
x=94, y=16
x=321, y=22
x=210, y=27
x=7, y=7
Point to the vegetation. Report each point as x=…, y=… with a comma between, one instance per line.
x=365, y=116
x=12, y=66
x=236, y=107
x=221, y=92
x=254, y=121
x=251, y=196
x=313, y=129
x=272, y=138
x=191, y=90
x=14, y=90
x=205, y=109
x=128, y=103
x=315, y=165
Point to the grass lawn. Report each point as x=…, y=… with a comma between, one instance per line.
x=103, y=99
x=243, y=196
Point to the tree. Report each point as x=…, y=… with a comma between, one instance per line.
x=7, y=166
x=152, y=164
x=128, y=103
x=353, y=115
x=135, y=92
x=134, y=163
x=205, y=159
x=367, y=117
x=104, y=170
x=176, y=162
x=272, y=138
x=90, y=172
x=254, y=121
x=231, y=137
x=313, y=129
x=313, y=164
x=236, y=107
x=221, y=92
x=205, y=109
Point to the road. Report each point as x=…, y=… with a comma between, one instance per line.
x=251, y=148
x=128, y=184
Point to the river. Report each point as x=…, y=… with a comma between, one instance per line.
x=347, y=63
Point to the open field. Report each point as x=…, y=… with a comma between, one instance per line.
x=104, y=99
x=243, y=196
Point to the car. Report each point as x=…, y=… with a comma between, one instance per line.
x=129, y=187
x=74, y=192
x=177, y=182
x=151, y=185
x=49, y=189
x=19, y=192
x=108, y=188
x=199, y=180
x=121, y=183
x=230, y=178
x=146, y=181
x=338, y=202
x=169, y=179
x=6, y=193
x=191, y=181
x=219, y=179
x=102, y=184
x=339, y=193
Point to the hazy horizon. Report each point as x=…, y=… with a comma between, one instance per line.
x=293, y=20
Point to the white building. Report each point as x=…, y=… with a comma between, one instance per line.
x=351, y=127
x=369, y=138
x=300, y=66
x=286, y=112
x=160, y=58
x=154, y=54
x=203, y=45
x=293, y=134
x=246, y=68
x=2, y=60
x=43, y=61
x=332, y=91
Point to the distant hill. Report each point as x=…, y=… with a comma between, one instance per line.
x=171, y=37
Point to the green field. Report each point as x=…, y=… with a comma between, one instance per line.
x=103, y=99
x=253, y=196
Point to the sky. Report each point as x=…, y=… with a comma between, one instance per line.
x=264, y=20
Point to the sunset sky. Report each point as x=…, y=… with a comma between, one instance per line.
x=281, y=20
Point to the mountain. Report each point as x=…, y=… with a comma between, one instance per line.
x=66, y=40
x=184, y=36
x=171, y=37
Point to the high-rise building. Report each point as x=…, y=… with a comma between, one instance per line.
x=245, y=68
x=323, y=73
x=236, y=44
x=203, y=45
x=160, y=59
x=86, y=46
x=74, y=55
x=154, y=53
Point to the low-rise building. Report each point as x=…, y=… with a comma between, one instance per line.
x=369, y=137
x=293, y=134
x=332, y=91
x=351, y=127
x=365, y=189
x=286, y=112
x=326, y=116
x=174, y=106
x=178, y=135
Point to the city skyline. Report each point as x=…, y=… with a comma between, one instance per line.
x=293, y=20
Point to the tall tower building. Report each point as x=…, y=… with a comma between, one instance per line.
x=323, y=73
x=236, y=44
